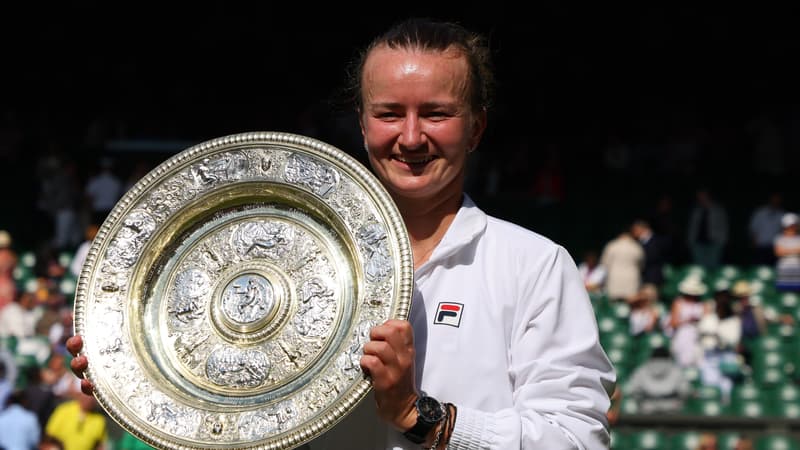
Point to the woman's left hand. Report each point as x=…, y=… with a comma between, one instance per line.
x=389, y=361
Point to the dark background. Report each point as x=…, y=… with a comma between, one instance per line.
x=143, y=82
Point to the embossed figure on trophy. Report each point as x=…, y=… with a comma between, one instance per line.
x=161, y=414
x=248, y=298
x=350, y=360
x=262, y=239
x=187, y=344
x=322, y=179
x=281, y=416
x=314, y=314
x=292, y=354
x=230, y=367
x=191, y=286
x=226, y=167
x=372, y=240
x=251, y=298
x=125, y=247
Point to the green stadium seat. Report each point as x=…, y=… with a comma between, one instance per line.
x=21, y=272
x=686, y=440
x=29, y=285
x=620, y=339
x=786, y=410
x=648, y=440
x=747, y=391
x=620, y=357
x=65, y=258
x=752, y=409
x=776, y=442
x=789, y=301
x=8, y=343
x=705, y=407
x=619, y=440
x=728, y=271
x=764, y=273
x=727, y=440
x=27, y=259
x=609, y=324
x=788, y=393
x=67, y=286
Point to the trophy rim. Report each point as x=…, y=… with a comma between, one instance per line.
x=402, y=265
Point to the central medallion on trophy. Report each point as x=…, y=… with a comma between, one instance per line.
x=248, y=299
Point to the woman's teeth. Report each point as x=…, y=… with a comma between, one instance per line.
x=414, y=161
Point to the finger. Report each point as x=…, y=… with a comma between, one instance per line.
x=75, y=344
x=398, y=333
x=79, y=365
x=87, y=387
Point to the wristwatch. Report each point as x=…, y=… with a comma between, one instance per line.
x=429, y=413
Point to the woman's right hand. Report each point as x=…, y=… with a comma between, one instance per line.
x=79, y=363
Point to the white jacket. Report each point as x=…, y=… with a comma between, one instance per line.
x=505, y=330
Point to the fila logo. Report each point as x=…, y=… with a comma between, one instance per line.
x=448, y=314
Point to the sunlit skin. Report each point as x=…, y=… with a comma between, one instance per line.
x=418, y=128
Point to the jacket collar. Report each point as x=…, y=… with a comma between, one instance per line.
x=469, y=224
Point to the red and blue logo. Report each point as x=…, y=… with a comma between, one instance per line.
x=448, y=314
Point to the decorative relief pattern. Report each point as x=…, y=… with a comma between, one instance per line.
x=320, y=177
x=372, y=241
x=235, y=368
x=257, y=270
x=248, y=298
x=225, y=167
x=131, y=238
x=317, y=308
x=263, y=240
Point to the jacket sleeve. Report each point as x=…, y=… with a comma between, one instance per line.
x=562, y=379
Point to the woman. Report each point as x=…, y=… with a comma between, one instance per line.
x=520, y=360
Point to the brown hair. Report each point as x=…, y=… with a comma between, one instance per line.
x=431, y=35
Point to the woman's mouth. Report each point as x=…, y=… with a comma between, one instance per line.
x=415, y=161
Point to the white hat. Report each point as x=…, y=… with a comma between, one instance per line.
x=741, y=289
x=692, y=286
x=789, y=219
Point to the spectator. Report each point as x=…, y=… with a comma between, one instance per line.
x=83, y=249
x=659, y=385
x=764, y=226
x=103, y=190
x=623, y=259
x=78, y=424
x=19, y=318
x=8, y=261
x=686, y=312
x=787, y=252
x=707, y=231
x=644, y=310
x=655, y=252
x=592, y=272
x=708, y=441
x=19, y=428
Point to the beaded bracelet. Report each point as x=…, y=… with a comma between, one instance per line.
x=447, y=424
x=441, y=428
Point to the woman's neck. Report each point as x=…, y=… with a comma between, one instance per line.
x=427, y=222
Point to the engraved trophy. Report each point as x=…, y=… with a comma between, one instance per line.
x=227, y=297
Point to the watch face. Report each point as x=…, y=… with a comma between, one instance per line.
x=430, y=409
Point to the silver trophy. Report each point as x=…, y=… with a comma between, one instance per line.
x=226, y=299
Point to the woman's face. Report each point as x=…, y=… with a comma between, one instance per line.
x=417, y=124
